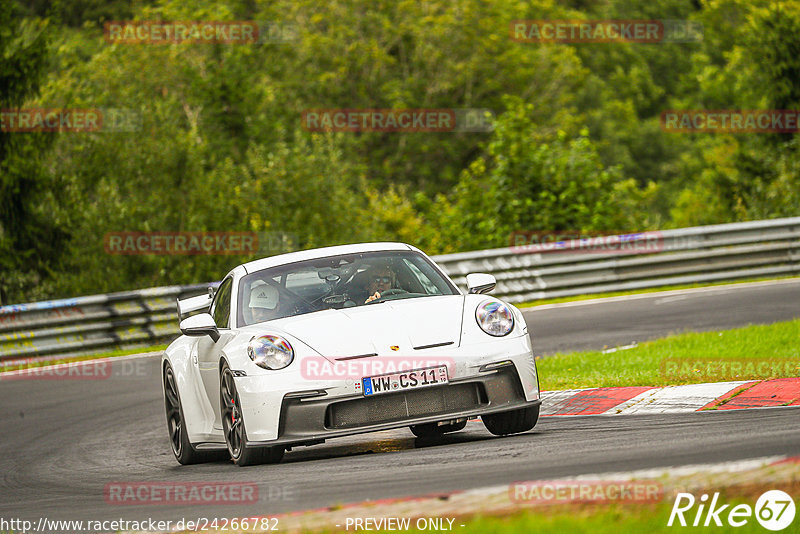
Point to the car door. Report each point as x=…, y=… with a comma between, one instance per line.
x=208, y=351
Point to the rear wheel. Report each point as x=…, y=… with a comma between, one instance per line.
x=183, y=450
x=233, y=427
x=434, y=430
x=511, y=422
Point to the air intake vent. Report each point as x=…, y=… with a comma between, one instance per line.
x=399, y=406
x=434, y=345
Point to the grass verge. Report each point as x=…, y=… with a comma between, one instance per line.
x=612, y=519
x=589, y=520
x=749, y=353
x=594, y=520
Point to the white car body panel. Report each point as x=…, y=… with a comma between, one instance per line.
x=410, y=325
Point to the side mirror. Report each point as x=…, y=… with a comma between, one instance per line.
x=192, y=304
x=201, y=324
x=480, y=282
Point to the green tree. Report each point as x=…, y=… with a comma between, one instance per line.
x=535, y=181
x=30, y=241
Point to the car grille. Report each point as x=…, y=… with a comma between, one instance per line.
x=398, y=406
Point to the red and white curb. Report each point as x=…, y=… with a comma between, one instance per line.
x=672, y=399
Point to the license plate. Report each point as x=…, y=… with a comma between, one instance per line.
x=405, y=380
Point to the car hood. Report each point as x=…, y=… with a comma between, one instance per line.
x=408, y=324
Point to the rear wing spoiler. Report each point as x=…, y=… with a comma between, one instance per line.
x=193, y=304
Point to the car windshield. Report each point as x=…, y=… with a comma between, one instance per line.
x=342, y=281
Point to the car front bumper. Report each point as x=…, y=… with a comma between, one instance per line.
x=311, y=420
x=496, y=376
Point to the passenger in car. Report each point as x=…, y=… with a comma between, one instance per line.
x=264, y=302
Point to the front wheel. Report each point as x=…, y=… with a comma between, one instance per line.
x=233, y=427
x=511, y=422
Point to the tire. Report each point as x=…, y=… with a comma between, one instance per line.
x=511, y=422
x=434, y=430
x=234, y=428
x=183, y=450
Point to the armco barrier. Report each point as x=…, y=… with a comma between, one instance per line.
x=90, y=324
x=687, y=255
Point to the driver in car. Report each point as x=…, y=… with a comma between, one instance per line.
x=263, y=302
x=382, y=278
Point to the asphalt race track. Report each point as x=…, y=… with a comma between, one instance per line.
x=583, y=325
x=64, y=440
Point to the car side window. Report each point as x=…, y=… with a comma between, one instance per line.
x=221, y=310
x=422, y=278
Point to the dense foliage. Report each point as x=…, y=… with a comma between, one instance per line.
x=219, y=144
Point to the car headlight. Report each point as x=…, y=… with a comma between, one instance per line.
x=270, y=352
x=495, y=318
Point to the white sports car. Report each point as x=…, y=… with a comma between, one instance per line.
x=295, y=349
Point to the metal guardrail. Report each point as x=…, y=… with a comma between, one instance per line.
x=91, y=324
x=67, y=327
x=682, y=256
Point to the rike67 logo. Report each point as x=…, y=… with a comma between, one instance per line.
x=774, y=510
